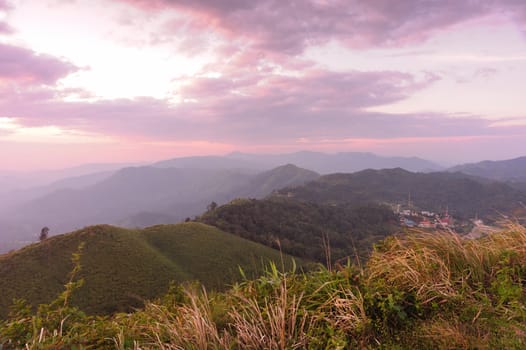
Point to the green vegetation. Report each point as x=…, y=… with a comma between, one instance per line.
x=464, y=195
x=303, y=229
x=121, y=268
x=418, y=291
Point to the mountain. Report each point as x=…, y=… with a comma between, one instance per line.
x=139, y=197
x=121, y=268
x=345, y=162
x=264, y=183
x=19, y=180
x=323, y=163
x=180, y=192
x=212, y=163
x=512, y=171
x=299, y=228
x=465, y=196
x=16, y=197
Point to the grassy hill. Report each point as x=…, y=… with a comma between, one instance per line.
x=121, y=268
x=464, y=195
x=301, y=227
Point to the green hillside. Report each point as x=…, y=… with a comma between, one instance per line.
x=301, y=227
x=121, y=268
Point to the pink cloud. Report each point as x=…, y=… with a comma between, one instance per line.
x=4, y=27
x=23, y=66
x=290, y=26
x=262, y=110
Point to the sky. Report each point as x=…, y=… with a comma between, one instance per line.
x=85, y=81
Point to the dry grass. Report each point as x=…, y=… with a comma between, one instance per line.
x=189, y=326
x=453, y=334
x=441, y=266
x=278, y=323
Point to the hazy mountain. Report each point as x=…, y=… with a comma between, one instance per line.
x=17, y=180
x=264, y=183
x=464, y=195
x=323, y=163
x=142, y=196
x=340, y=162
x=512, y=171
x=181, y=192
x=121, y=268
x=213, y=163
x=507, y=170
x=16, y=197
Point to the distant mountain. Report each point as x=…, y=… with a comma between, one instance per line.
x=464, y=195
x=179, y=192
x=19, y=180
x=212, y=163
x=121, y=268
x=504, y=170
x=144, y=196
x=316, y=161
x=299, y=228
x=512, y=171
x=264, y=183
x=16, y=197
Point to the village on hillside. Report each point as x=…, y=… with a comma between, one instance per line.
x=411, y=217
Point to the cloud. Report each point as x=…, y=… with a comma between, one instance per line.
x=22, y=66
x=4, y=27
x=290, y=26
x=319, y=106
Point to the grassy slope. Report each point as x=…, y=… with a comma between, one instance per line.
x=123, y=267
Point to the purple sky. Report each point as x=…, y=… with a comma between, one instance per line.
x=139, y=80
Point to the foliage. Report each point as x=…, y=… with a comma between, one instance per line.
x=299, y=228
x=418, y=291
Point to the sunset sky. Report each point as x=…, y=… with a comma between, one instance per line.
x=85, y=81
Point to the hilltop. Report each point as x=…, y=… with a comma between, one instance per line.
x=122, y=268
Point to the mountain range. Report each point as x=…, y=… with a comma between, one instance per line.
x=172, y=190
x=141, y=196
x=322, y=163
x=512, y=171
x=463, y=195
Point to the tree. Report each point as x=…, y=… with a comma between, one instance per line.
x=211, y=206
x=43, y=233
